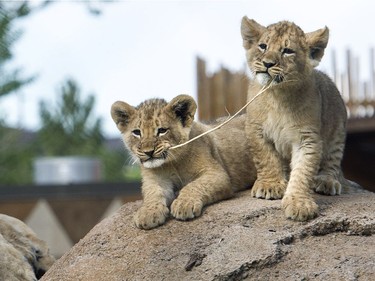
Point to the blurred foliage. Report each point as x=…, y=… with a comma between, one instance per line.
x=10, y=80
x=133, y=173
x=16, y=154
x=69, y=128
x=16, y=157
x=115, y=168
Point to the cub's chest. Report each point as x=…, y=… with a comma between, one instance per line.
x=281, y=130
x=180, y=176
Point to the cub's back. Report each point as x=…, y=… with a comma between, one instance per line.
x=333, y=106
x=233, y=150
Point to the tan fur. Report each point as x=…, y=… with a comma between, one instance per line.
x=296, y=129
x=184, y=180
x=23, y=255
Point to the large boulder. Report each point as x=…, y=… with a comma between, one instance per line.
x=238, y=239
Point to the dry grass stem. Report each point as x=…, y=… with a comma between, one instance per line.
x=226, y=121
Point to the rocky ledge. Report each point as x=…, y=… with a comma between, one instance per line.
x=239, y=239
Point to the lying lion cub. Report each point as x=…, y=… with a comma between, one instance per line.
x=188, y=178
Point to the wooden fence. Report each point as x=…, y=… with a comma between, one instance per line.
x=220, y=93
x=359, y=95
x=224, y=92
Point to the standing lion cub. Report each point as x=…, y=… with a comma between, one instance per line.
x=183, y=180
x=296, y=129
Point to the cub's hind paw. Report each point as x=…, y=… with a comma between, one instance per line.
x=327, y=185
x=268, y=189
x=186, y=208
x=299, y=208
x=151, y=216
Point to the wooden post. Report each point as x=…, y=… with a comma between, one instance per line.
x=218, y=100
x=202, y=90
x=334, y=67
x=350, y=85
x=371, y=93
x=236, y=91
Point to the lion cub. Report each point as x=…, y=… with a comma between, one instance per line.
x=296, y=129
x=188, y=178
x=23, y=255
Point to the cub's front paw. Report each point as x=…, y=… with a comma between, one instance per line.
x=268, y=189
x=150, y=216
x=327, y=185
x=299, y=208
x=186, y=208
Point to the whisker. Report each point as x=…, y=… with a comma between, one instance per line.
x=172, y=156
x=134, y=161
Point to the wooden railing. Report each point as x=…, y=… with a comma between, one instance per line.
x=359, y=95
x=221, y=93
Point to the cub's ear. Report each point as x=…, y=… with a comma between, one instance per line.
x=122, y=113
x=183, y=107
x=251, y=32
x=317, y=42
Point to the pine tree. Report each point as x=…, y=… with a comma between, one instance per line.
x=15, y=160
x=69, y=128
x=10, y=80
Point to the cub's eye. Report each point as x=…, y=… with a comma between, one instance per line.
x=162, y=131
x=288, y=51
x=136, y=133
x=262, y=47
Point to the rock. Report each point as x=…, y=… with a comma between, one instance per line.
x=239, y=239
x=23, y=256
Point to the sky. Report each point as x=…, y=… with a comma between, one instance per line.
x=136, y=50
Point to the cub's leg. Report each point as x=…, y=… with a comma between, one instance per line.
x=270, y=182
x=298, y=202
x=212, y=186
x=328, y=179
x=154, y=210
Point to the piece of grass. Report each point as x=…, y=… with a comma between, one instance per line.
x=264, y=88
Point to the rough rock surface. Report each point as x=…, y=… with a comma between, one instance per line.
x=239, y=239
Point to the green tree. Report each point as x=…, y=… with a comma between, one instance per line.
x=10, y=11
x=16, y=155
x=10, y=80
x=69, y=128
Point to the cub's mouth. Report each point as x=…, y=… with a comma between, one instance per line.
x=263, y=78
x=154, y=161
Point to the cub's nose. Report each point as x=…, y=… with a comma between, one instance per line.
x=268, y=64
x=149, y=153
